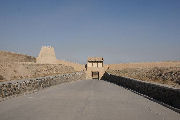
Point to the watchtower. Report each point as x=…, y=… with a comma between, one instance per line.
x=46, y=56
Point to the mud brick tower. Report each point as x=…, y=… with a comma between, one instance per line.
x=46, y=56
x=95, y=68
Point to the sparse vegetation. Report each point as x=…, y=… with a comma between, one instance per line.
x=165, y=72
x=16, y=66
x=14, y=57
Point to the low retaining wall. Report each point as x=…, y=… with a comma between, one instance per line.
x=10, y=88
x=167, y=95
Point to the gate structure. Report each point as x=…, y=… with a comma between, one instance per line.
x=95, y=68
x=95, y=75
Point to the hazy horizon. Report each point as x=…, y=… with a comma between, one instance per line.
x=118, y=30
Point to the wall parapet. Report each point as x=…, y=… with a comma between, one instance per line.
x=15, y=87
x=165, y=94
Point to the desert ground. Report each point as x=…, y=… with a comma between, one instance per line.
x=159, y=72
x=15, y=66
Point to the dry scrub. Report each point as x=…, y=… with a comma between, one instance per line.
x=161, y=72
x=13, y=71
x=17, y=66
x=14, y=57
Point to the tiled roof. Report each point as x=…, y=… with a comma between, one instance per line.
x=95, y=59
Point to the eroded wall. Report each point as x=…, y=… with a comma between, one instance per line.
x=47, y=55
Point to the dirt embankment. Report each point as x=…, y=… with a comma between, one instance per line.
x=14, y=71
x=17, y=66
x=14, y=57
x=161, y=72
x=76, y=66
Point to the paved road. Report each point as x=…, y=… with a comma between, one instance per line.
x=84, y=100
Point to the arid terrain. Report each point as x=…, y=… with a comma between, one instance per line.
x=17, y=66
x=160, y=72
x=6, y=56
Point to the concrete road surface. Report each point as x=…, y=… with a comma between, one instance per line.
x=84, y=100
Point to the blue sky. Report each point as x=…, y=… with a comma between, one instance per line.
x=118, y=30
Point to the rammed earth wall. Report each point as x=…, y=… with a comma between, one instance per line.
x=167, y=95
x=11, y=88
